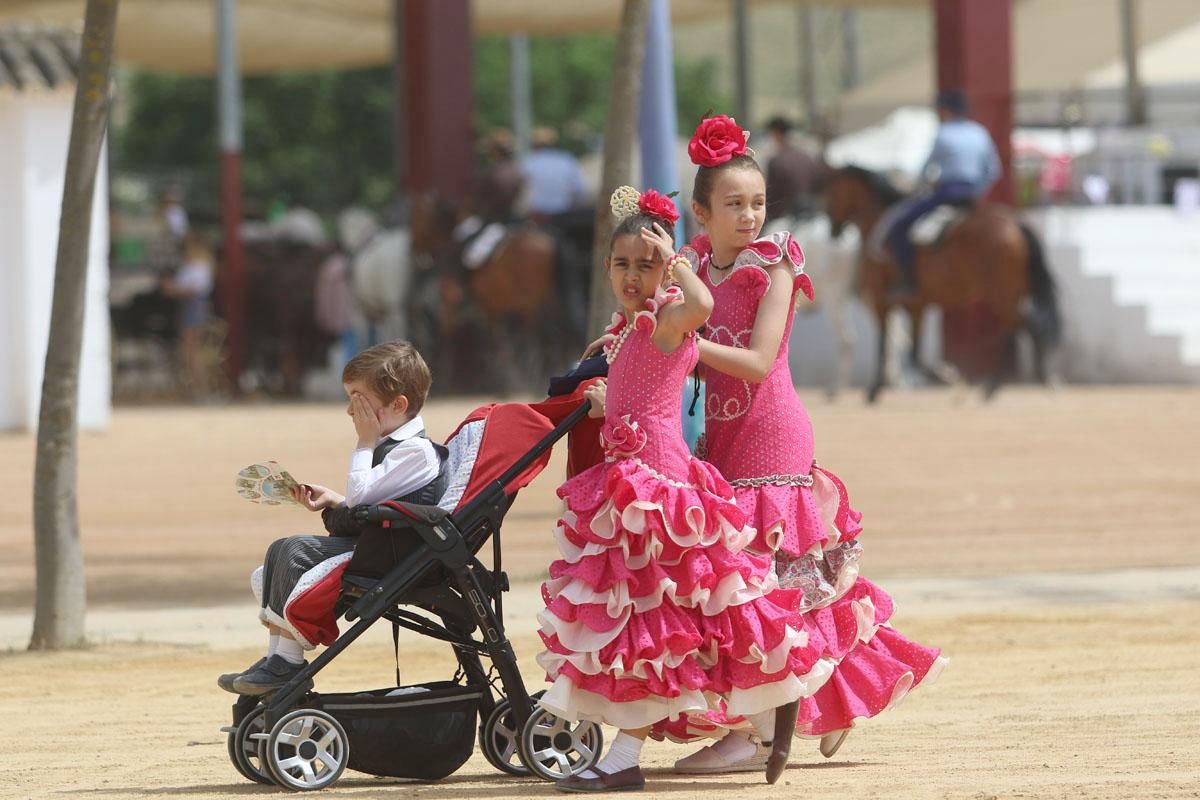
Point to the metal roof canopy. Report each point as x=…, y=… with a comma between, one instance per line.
x=279, y=35
x=34, y=57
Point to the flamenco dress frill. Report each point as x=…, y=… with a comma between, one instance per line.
x=760, y=437
x=655, y=609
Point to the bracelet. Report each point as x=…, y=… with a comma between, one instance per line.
x=680, y=259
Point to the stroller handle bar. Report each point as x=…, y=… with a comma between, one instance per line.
x=404, y=512
x=545, y=444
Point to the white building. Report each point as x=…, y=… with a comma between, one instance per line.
x=37, y=90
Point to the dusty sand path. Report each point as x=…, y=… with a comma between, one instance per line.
x=1072, y=480
x=1023, y=537
x=1093, y=702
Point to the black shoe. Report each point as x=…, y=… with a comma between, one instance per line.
x=226, y=681
x=271, y=675
x=627, y=780
x=781, y=746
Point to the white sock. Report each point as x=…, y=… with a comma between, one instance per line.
x=736, y=746
x=272, y=644
x=764, y=725
x=623, y=753
x=290, y=650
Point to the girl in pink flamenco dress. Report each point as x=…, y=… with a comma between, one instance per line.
x=760, y=437
x=655, y=609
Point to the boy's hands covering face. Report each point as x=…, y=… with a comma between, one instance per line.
x=366, y=420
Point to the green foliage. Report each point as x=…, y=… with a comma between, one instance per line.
x=321, y=139
x=570, y=79
x=324, y=139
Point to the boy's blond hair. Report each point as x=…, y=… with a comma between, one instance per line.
x=392, y=369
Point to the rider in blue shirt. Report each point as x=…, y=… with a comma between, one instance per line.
x=961, y=168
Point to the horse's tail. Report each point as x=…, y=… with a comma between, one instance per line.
x=1045, y=317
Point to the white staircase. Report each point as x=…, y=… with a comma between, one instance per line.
x=1129, y=282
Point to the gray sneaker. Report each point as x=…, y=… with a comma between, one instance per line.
x=226, y=681
x=271, y=675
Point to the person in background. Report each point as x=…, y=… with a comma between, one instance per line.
x=553, y=178
x=192, y=286
x=793, y=176
x=502, y=180
x=496, y=195
x=961, y=168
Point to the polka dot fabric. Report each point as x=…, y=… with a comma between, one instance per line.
x=760, y=437
x=656, y=609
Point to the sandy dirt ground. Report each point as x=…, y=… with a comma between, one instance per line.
x=1074, y=511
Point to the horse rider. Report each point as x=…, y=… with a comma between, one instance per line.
x=558, y=203
x=793, y=175
x=496, y=195
x=554, y=179
x=961, y=168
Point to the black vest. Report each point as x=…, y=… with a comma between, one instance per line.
x=339, y=521
x=431, y=492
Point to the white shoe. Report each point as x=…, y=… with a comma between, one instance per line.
x=831, y=741
x=707, y=761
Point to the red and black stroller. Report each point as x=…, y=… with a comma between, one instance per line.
x=416, y=567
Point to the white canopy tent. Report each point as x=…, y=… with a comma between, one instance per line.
x=274, y=35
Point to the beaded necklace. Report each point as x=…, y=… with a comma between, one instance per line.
x=614, y=347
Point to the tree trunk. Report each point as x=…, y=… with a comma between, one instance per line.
x=58, y=617
x=619, y=132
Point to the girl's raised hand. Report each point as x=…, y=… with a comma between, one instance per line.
x=660, y=240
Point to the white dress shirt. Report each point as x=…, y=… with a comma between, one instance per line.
x=410, y=465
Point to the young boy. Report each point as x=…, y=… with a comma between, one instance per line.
x=386, y=385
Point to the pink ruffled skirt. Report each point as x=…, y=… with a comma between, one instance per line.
x=869, y=666
x=656, y=610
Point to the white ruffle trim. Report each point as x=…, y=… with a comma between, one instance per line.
x=731, y=590
x=589, y=663
x=566, y=700
x=757, y=699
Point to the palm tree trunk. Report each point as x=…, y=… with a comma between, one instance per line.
x=59, y=612
x=619, y=131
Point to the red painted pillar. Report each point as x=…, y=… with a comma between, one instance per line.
x=233, y=280
x=437, y=135
x=974, y=54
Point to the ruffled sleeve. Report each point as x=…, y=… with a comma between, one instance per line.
x=647, y=321
x=768, y=251
x=695, y=251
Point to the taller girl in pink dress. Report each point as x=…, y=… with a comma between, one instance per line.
x=760, y=437
x=655, y=609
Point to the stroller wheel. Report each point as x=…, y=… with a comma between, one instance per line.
x=243, y=748
x=554, y=748
x=307, y=749
x=498, y=739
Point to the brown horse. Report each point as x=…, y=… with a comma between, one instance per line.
x=511, y=298
x=987, y=273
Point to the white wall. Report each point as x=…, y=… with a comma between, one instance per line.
x=34, y=132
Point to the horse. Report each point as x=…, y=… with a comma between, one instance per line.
x=832, y=263
x=508, y=303
x=988, y=274
x=280, y=265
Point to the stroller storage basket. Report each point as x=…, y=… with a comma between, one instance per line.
x=426, y=732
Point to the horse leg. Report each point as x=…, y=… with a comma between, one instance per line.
x=843, y=327
x=881, y=316
x=940, y=375
x=1008, y=362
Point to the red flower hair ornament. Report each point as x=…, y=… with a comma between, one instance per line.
x=626, y=202
x=717, y=140
x=658, y=205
